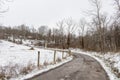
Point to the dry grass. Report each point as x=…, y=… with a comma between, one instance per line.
x=116, y=71
x=58, y=60
x=31, y=48
x=9, y=71
x=27, y=69
x=14, y=70
x=45, y=63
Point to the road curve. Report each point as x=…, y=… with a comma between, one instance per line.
x=82, y=67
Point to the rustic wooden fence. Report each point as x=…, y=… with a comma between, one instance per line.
x=68, y=54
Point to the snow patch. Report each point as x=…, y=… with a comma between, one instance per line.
x=102, y=60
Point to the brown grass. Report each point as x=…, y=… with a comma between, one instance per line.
x=31, y=48
x=27, y=69
x=58, y=59
x=45, y=63
x=14, y=70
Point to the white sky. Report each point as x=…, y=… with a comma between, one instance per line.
x=47, y=12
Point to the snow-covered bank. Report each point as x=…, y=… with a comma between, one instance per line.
x=20, y=58
x=37, y=71
x=105, y=60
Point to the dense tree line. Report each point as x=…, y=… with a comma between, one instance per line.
x=101, y=33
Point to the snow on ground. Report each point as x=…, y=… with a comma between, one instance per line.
x=22, y=56
x=109, y=62
x=36, y=72
x=114, y=59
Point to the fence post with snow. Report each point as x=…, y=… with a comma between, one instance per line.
x=38, y=61
x=54, y=56
x=63, y=54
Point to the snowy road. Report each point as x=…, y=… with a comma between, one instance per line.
x=82, y=67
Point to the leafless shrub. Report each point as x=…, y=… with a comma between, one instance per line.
x=45, y=63
x=32, y=48
x=113, y=68
x=9, y=71
x=13, y=70
x=119, y=75
x=27, y=69
x=51, y=63
x=116, y=71
x=2, y=73
x=58, y=59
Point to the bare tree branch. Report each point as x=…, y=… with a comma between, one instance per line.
x=2, y=3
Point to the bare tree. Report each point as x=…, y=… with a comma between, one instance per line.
x=117, y=6
x=2, y=3
x=97, y=20
x=81, y=30
x=55, y=37
x=42, y=30
x=71, y=27
x=61, y=26
x=116, y=27
x=49, y=35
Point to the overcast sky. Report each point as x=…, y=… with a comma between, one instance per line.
x=47, y=12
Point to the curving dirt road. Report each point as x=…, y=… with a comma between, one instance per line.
x=82, y=67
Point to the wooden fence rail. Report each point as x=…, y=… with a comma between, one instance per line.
x=68, y=53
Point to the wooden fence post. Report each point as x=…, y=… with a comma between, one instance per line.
x=38, y=61
x=62, y=54
x=69, y=53
x=54, y=56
